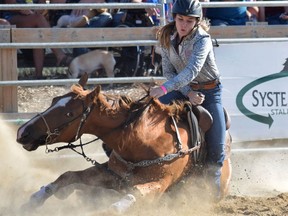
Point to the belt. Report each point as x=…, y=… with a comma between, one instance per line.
x=205, y=85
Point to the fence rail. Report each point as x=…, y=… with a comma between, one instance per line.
x=136, y=6
x=12, y=38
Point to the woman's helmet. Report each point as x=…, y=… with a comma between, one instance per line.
x=187, y=8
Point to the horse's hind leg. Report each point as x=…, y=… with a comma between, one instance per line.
x=93, y=176
x=226, y=177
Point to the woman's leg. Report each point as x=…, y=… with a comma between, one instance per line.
x=215, y=136
x=32, y=21
x=102, y=20
x=39, y=21
x=38, y=58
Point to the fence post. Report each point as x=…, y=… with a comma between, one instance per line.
x=8, y=71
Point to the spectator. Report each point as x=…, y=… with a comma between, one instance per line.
x=253, y=13
x=226, y=16
x=54, y=15
x=132, y=17
x=33, y=19
x=274, y=15
x=91, y=18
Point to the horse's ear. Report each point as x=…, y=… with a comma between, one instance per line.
x=95, y=92
x=83, y=80
x=97, y=89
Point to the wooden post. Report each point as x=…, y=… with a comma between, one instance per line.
x=8, y=71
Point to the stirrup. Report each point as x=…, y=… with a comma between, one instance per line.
x=194, y=132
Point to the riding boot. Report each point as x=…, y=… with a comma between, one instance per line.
x=106, y=149
x=213, y=174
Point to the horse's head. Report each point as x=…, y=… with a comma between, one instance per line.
x=60, y=122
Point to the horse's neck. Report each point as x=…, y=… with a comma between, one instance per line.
x=105, y=124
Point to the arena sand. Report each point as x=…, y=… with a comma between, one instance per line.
x=256, y=176
x=23, y=173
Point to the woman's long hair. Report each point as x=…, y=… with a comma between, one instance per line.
x=164, y=34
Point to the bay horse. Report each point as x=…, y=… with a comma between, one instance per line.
x=150, y=142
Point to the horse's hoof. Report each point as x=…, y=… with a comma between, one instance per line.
x=38, y=198
x=26, y=208
x=124, y=204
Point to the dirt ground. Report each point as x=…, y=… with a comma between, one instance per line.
x=258, y=187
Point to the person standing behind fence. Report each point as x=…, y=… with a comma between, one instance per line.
x=226, y=16
x=132, y=17
x=189, y=65
x=93, y=18
x=89, y=18
x=33, y=19
x=253, y=12
x=274, y=15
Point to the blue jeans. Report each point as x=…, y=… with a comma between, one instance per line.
x=215, y=136
x=276, y=20
x=117, y=18
x=102, y=20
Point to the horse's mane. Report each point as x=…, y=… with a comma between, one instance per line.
x=176, y=109
x=119, y=101
x=79, y=91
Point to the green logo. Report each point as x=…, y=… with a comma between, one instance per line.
x=265, y=119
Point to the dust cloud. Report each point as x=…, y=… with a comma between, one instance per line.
x=260, y=170
x=23, y=173
x=18, y=175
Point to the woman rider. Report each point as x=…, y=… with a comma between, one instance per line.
x=189, y=65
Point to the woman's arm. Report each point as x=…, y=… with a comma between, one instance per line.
x=195, y=63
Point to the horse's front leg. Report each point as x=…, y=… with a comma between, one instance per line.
x=62, y=186
x=150, y=189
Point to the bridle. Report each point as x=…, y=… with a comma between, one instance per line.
x=84, y=115
x=56, y=132
x=169, y=157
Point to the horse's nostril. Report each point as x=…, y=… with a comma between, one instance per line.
x=21, y=137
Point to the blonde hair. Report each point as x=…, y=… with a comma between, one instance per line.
x=164, y=33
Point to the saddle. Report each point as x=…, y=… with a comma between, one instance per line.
x=205, y=119
x=200, y=120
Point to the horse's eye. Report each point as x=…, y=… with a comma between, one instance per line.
x=69, y=114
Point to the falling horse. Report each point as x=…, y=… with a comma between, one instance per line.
x=151, y=142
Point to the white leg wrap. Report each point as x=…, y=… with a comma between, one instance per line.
x=39, y=197
x=124, y=204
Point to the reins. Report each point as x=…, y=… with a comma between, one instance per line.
x=70, y=145
x=169, y=157
x=131, y=118
x=85, y=115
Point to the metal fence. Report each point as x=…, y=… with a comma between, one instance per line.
x=160, y=6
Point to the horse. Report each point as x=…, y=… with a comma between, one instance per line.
x=150, y=142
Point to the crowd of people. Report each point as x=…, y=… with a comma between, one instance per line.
x=103, y=18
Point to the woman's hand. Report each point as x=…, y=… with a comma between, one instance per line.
x=196, y=98
x=157, y=92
